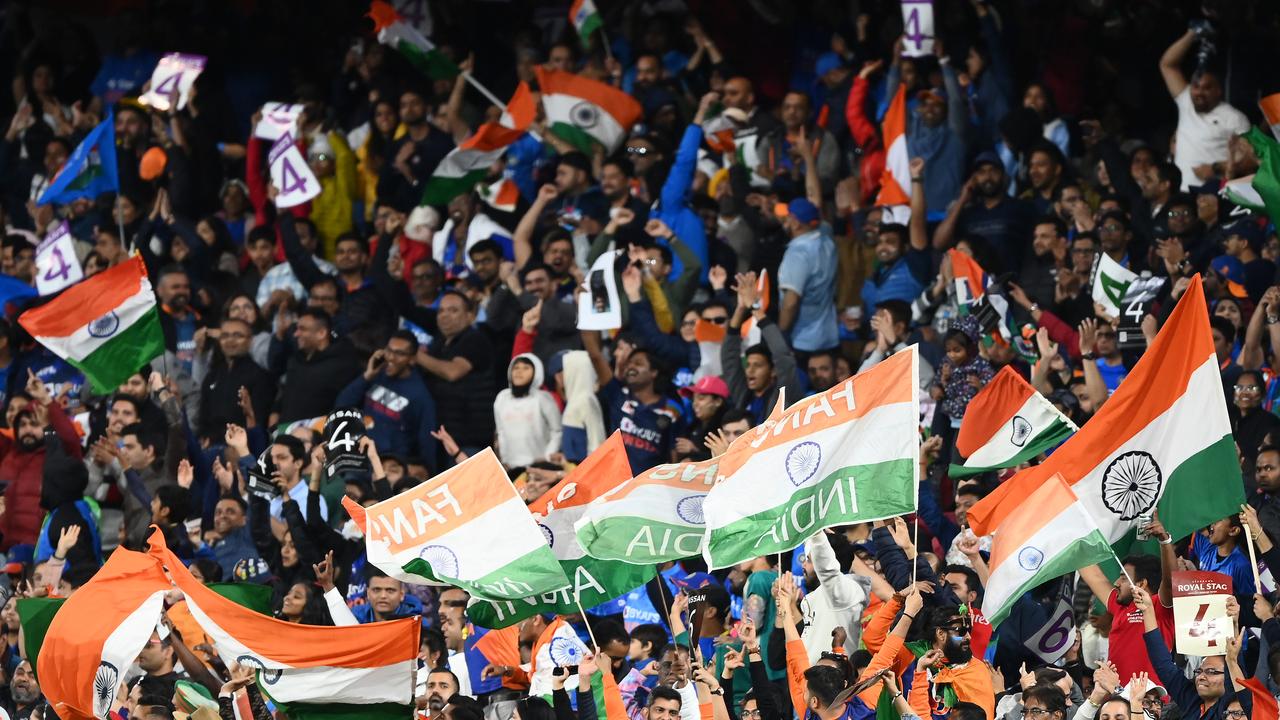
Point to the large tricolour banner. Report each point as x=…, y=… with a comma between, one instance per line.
x=847, y=455
x=467, y=527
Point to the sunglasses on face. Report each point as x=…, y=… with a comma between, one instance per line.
x=718, y=320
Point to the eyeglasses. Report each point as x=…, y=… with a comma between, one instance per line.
x=638, y=150
x=397, y=351
x=1179, y=213
x=1236, y=714
x=1208, y=672
x=688, y=323
x=718, y=319
x=1246, y=388
x=1035, y=712
x=1113, y=227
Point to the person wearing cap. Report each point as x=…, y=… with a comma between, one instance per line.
x=806, y=279
x=836, y=80
x=937, y=131
x=1242, y=240
x=710, y=400
x=985, y=208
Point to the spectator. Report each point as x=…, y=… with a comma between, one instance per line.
x=395, y=396
x=458, y=367
x=526, y=416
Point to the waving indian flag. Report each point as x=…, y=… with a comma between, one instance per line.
x=97, y=634
x=1008, y=423
x=469, y=163
x=847, y=455
x=107, y=326
x=1051, y=535
x=355, y=671
x=896, y=180
x=585, y=18
x=1161, y=441
x=402, y=37
x=557, y=646
x=467, y=527
x=591, y=581
x=585, y=112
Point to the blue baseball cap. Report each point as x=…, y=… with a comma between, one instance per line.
x=800, y=209
x=827, y=62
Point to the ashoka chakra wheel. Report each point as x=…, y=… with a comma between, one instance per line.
x=1131, y=484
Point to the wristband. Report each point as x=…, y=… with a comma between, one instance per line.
x=1168, y=539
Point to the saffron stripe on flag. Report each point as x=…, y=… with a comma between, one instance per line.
x=87, y=301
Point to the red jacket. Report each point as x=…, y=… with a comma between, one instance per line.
x=24, y=472
x=864, y=134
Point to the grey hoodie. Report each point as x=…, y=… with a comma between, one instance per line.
x=528, y=427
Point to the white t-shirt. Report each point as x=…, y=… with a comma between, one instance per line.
x=1202, y=137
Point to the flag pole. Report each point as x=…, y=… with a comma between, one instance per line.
x=591, y=633
x=604, y=40
x=915, y=543
x=483, y=90
x=1253, y=558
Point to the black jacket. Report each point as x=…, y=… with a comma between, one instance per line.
x=312, y=382
x=220, y=398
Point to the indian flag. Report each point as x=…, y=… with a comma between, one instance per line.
x=1048, y=537
x=971, y=280
x=586, y=112
x=402, y=37
x=1266, y=182
x=896, y=180
x=557, y=646
x=107, y=326
x=1270, y=106
x=1008, y=423
x=356, y=671
x=96, y=635
x=592, y=582
x=501, y=195
x=849, y=454
x=469, y=163
x=466, y=527
x=1161, y=441
x=585, y=18
x=1241, y=192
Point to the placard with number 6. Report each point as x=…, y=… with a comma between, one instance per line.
x=57, y=266
x=290, y=173
x=171, y=81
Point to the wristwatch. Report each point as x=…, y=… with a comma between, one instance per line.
x=1089, y=356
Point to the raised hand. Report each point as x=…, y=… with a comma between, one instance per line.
x=186, y=474
x=66, y=540
x=717, y=276
x=324, y=572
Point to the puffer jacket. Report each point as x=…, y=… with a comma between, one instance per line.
x=23, y=470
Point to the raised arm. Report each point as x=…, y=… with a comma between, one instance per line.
x=917, y=229
x=522, y=239
x=1171, y=63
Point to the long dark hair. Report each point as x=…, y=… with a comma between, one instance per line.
x=314, y=610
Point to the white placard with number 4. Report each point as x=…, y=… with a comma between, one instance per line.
x=57, y=266
x=290, y=173
x=171, y=81
x=917, y=27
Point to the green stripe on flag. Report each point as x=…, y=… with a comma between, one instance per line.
x=1195, y=496
x=1052, y=436
x=1088, y=550
x=589, y=25
x=575, y=136
x=440, y=190
x=851, y=494
x=113, y=362
x=638, y=539
x=524, y=576
x=249, y=595
x=35, y=615
x=593, y=582
x=431, y=63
